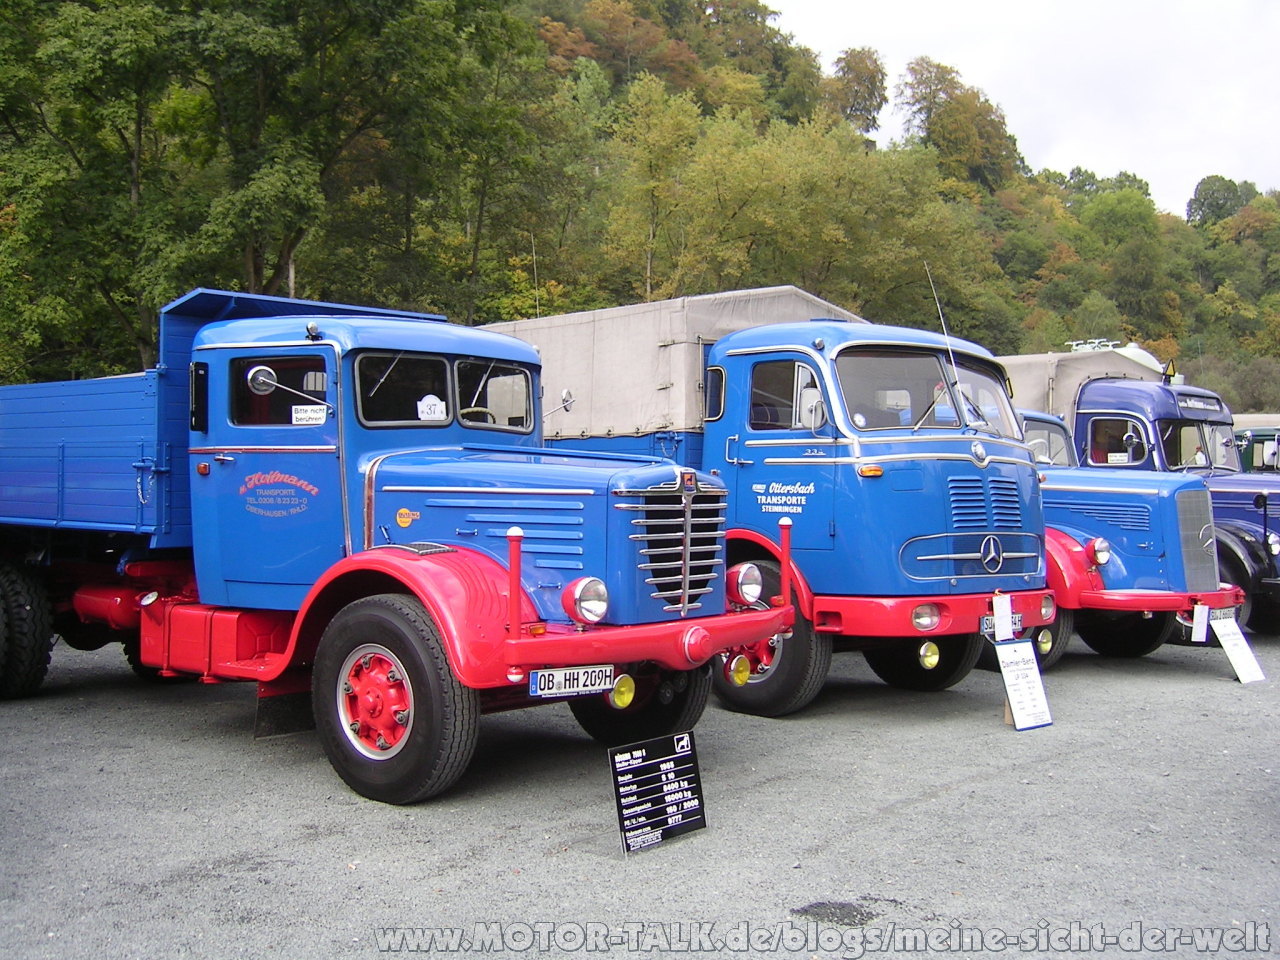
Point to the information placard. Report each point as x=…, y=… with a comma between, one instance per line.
x=1023, y=688
x=1237, y=648
x=658, y=790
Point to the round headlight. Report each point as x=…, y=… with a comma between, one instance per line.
x=925, y=616
x=1046, y=607
x=1273, y=543
x=744, y=585
x=586, y=600
x=1099, y=552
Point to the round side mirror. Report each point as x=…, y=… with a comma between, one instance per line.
x=262, y=380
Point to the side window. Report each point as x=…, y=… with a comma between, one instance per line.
x=400, y=389
x=1107, y=444
x=784, y=396
x=278, y=391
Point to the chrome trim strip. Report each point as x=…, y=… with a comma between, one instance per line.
x=540, y=491
x=328, y=448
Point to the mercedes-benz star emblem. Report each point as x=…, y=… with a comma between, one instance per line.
x=991, y=554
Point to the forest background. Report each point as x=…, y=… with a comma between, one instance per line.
x=493, y=160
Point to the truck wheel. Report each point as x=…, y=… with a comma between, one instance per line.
x=906, y=663
x=1060, y=633
x=28, y=621
x=1126, y=634
x=395, y=722
x=787, y=671
x=667, y=701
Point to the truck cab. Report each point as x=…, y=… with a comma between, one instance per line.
x=900, y=461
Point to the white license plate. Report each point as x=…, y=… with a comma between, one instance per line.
x=570, y=681
x=1223, y=613
x=989, y=624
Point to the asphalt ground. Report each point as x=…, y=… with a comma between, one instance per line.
x=144, y=821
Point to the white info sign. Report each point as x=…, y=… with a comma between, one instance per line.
x=1243, y=662
x=1023, y=689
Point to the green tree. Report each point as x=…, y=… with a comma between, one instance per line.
x=653, y=138
x=1215, y=198
x=857, y=90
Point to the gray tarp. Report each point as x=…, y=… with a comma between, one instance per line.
x=1049, y=382
x=638, y=369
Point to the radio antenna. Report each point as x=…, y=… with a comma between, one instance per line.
x=955, y=372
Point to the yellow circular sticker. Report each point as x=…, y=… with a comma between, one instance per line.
x=405, y=516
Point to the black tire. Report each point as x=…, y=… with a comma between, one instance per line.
x=1060, y=633
x=28, y=619
x=1126, y=634
x=899, y=665
x=795, y=671
x=389, y=650
x=667, y=701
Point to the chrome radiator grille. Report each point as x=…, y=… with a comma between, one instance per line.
x=680, y=531
x=1195, y=530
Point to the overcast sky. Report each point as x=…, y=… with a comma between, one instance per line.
x=1170, y=90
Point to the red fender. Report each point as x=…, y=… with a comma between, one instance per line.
x=801, y=586
x=1068, y=570
x=464, y=591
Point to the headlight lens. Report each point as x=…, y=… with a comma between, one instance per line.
x=1046, y=607
x=1273, y=543
x=586, y=600
x=926, y=616
x=1099, y=551
x=744, y=584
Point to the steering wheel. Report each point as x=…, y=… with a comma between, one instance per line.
x=485, y=411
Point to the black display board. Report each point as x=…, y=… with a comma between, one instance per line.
x=658, y=790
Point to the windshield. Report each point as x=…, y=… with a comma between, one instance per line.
x=1050, y=443
x=899, y=388
x=1189, y=444
x=419, y=390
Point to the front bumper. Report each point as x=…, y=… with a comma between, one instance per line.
x=1158, y=601
x=892, y=616
x=680, y=645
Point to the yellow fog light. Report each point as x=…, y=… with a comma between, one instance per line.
x=623, y=692
x=929, y=655
x=739, y=671
x=1044, y=642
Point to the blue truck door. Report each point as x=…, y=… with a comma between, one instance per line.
x=786, y=456
x=266, y=491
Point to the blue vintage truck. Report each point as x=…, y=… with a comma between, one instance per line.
x=1129, y=415
x=1130, y=555
x=908, y=520
x=353, y=504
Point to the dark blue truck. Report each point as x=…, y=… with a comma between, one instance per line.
x=908, y=519
x=1130, y=416
x=354, y=505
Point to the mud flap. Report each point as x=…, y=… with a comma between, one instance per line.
x=284, y=706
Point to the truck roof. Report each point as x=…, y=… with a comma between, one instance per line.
x=836, y=334
x=205, y=318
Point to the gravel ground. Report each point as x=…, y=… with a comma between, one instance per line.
x=143, y=821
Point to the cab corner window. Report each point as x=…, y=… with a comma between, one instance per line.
x=279, y=391
x=714, y=406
